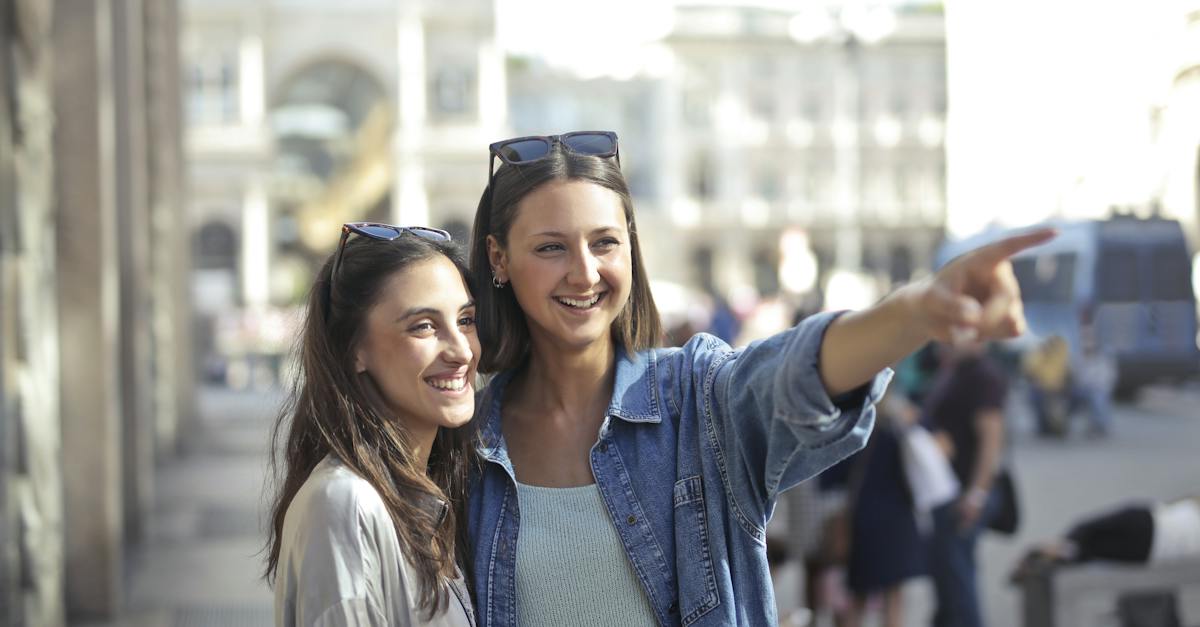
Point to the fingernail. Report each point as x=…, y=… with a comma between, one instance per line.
x=963, y=335
x=971, y=311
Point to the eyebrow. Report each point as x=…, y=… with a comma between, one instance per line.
x=603, y=229
x=430, y=311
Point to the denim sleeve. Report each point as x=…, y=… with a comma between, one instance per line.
x=770, y=422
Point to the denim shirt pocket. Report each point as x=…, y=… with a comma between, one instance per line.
x=697, y=584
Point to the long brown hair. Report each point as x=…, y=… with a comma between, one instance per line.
x=500, y=322
x=333, y=410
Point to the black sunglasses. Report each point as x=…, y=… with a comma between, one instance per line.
x=522, y=150
x=383, y=232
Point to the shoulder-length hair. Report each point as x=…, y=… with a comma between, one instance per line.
x=331, y=409
x=500, y=322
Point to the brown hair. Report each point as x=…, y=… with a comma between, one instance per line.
x=331, y=409
x=503, y=330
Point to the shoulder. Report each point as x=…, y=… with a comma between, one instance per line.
x=697, y=353
x=335, y=497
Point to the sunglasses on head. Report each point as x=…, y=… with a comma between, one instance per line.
x=382, y=232
x=522, y=150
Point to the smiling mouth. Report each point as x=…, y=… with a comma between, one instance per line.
x=580, y=304
x=454, y=384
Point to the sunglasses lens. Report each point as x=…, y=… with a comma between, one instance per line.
x=432, y=234
x=380, y=231
x=524, y=150
x=597, y=144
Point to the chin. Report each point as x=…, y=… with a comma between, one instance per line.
x=457, y=420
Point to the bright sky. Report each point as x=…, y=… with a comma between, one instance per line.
x=591, y=38
x=1050, y=105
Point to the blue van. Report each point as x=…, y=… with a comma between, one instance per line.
x=1130, y=278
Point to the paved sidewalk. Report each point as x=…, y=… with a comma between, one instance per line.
x=201, y=564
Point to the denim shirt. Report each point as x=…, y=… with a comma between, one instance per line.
x=696, y=446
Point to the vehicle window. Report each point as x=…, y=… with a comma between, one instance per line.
x=1117, y=274
x=1171, y=278
x=1046, y=279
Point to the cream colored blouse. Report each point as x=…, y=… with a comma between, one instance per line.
x=341, y=563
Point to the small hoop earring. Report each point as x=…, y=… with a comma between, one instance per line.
x=497, y=283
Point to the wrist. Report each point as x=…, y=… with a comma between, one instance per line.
x=975, y=496
x=909, y=301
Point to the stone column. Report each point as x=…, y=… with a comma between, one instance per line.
x=89, y=301
x=174, y=400
x=133, y=235
x=410, y=199
x=30, y=463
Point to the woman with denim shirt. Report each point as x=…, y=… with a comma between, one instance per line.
x=626, y=484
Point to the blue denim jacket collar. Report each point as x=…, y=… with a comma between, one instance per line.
x=635, y=398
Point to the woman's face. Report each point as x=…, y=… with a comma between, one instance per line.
x=420, y=346
x=568, y=262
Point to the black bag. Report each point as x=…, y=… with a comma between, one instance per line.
x=1007, y=516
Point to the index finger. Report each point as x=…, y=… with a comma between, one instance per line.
x=1003, y=249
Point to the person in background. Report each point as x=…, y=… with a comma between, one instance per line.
x=1137, y=533
x=886, y=547
x=1095, y=377
x=965, y=410
x=1048, y=368
x=369, y=457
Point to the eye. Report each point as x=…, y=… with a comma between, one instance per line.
x=422, y=328
x=549, y=248
x=467, y=320
x=607, y=243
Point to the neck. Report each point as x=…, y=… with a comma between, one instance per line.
x=422, y=442
x=570, y=380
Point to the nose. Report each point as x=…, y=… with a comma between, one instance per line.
x=457, y=348
x=584, y=271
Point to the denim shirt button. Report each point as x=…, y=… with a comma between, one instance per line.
x=632, y=519
x=603, y=447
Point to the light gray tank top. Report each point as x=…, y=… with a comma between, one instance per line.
x=571, y=567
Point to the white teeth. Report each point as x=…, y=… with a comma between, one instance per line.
x=579, y=304
x=454, y=385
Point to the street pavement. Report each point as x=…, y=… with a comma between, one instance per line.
x=202, y=562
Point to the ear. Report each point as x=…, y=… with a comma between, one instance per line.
x=497, y=258
x=360, y=360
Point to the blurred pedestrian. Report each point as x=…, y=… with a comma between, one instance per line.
x=965, y=408
x=886, y=548
x=363, y=530
x=1137, y=533
x=1095, y=377
x=1048, y=368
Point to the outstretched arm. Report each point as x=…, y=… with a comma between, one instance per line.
x=975, y=296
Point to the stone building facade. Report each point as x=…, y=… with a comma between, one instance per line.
x=95, y=374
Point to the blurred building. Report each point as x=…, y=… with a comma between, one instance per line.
x=95, y=379
x=304, y=114
x=1177, y=129
x=753, y=121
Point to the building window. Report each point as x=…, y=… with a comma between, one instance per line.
x=453, y=91
x=700, y=179
x=697, y=107
x=770, y=185
x=213, y=88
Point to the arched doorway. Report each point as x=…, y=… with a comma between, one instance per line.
x=332, y=123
